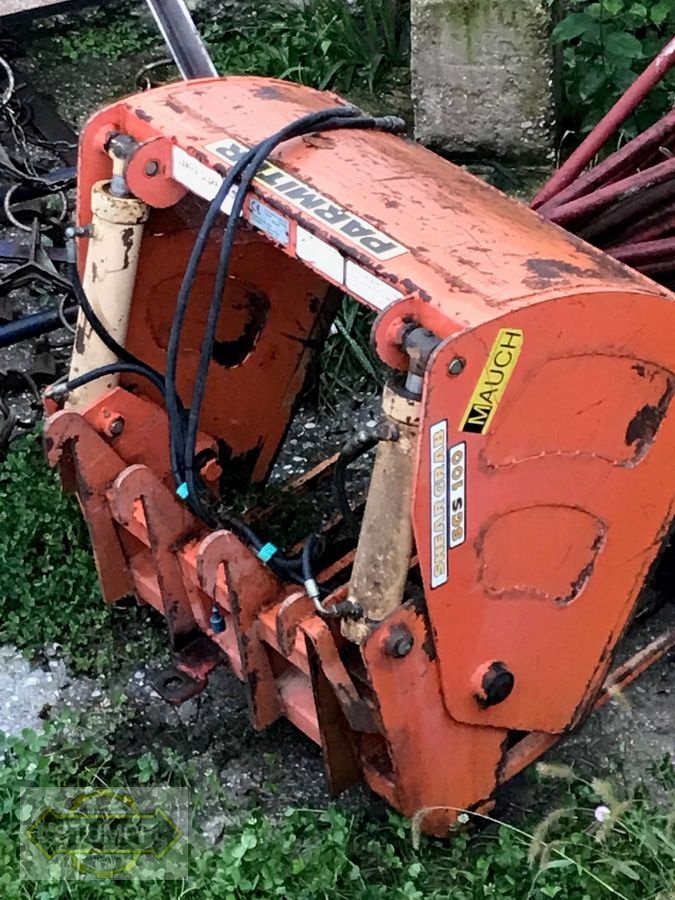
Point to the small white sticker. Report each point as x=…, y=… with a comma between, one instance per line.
x=269, y=221
x=199, y=179
x=369, y=287
x=320, y=255
x=438, y=467
x=457, y=495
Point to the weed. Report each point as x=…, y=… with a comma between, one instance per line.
x=307, y=854
x=48, y=585
x=605, y=45
x=347, y=360
x=323, y=43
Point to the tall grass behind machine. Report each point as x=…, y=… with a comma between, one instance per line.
x=521, y=496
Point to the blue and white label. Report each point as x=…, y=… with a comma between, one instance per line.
x=269, y=221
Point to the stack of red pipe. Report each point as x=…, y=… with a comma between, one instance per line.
x=626, y=204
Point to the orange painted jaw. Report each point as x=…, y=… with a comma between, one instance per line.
x=542, y=491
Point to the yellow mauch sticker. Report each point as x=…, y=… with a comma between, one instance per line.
x=493, y=381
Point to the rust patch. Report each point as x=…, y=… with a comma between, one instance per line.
x=176, y=107
x=577, y=584
x=639, y=369
x=546, y=270
x=233, y=353
x=269, y=92
x=356, y=712
x=141, y=113
x=644, y=425
x=582, y=578
x=127, y=243
x=409, y=285
x=79, y=339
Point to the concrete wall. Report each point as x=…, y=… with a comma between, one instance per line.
x=482, y=76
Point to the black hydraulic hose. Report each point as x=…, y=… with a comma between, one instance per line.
x=300, y=126
x=113, y=369
x=363, y=442
x=188, y=488
x=250, y=171
x=281, y=564
x=295, y=570
x=34, y=325
x=250, y=165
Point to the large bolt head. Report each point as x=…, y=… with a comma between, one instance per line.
x=399, y=642
x=496, y=685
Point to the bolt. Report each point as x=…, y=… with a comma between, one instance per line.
x=78, y=231
x=496, y=685
x=151, y=167
x=116, y=427
x=456, y=366
x=399, y=643
x=217, y=622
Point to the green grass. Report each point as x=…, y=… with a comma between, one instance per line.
x=310, y=854
x=348, y=362
x=48, y=586
x=323, y=43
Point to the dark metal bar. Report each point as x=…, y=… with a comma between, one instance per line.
x=47, y=122
x=182, y=38
x=35, y=325
x=617, y=115
x=12, y=251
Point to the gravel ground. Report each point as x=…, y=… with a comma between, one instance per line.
x=30, y=692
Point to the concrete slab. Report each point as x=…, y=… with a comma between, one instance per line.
x=483, y=77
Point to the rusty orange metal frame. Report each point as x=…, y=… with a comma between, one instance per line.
x=543, y=485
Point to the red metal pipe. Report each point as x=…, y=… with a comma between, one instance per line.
x=605, y=196
x=626, y=211
x=648, y=251
x=658, y=269
x=652, y=227
x=619, y=164
x=617, y=115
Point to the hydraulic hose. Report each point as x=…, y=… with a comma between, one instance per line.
x=285, y=567
x=112, y=369
x=250, y=171
x=302, y=126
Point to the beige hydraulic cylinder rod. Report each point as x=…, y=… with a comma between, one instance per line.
x=386, y=541
x=109, y=281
